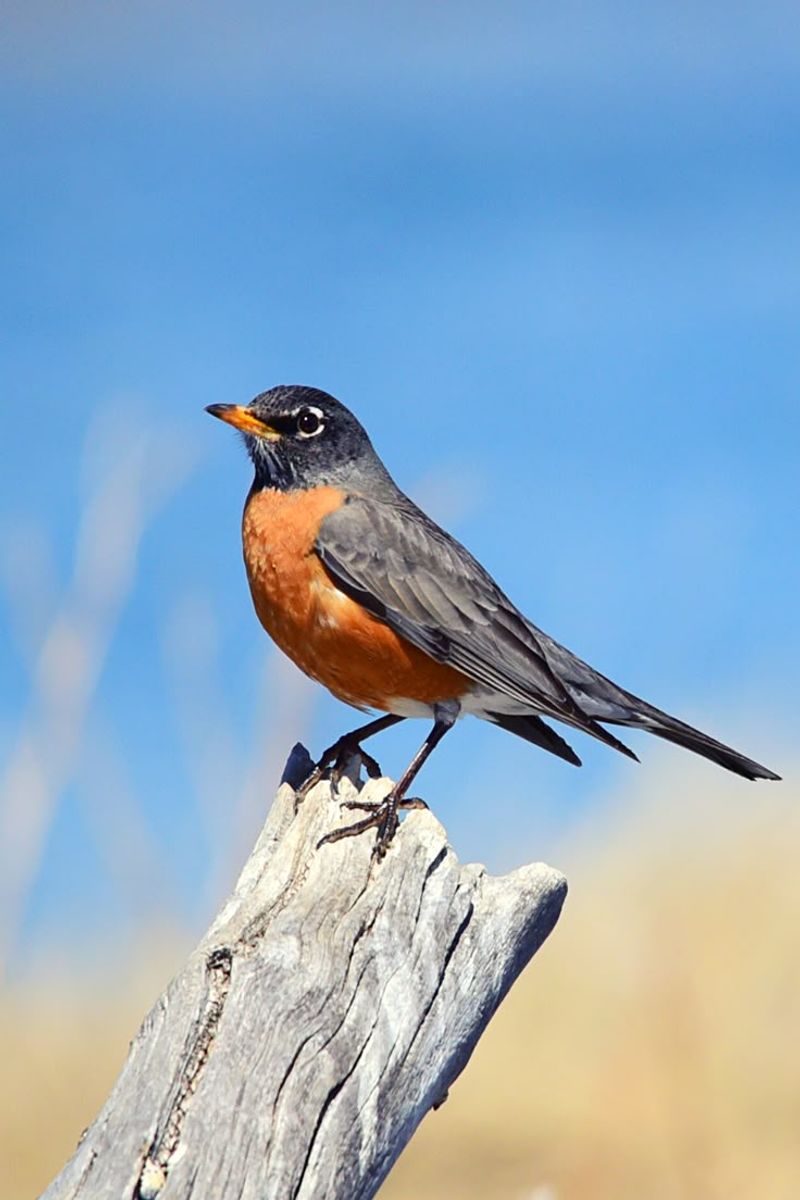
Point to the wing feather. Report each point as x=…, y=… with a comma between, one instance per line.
x=427, y=587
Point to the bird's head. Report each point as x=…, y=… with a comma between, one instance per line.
x=300, y=437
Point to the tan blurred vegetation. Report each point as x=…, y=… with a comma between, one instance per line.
x=651, y=1050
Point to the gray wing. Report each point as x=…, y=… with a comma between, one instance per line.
x=426, y=586
x=408, y=572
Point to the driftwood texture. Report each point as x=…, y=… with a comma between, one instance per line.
x=331, y=1004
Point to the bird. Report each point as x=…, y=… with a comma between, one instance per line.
x=374, y=600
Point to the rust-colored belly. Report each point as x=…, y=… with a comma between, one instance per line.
x=328, y=635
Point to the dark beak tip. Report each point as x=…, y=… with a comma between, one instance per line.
x=216, y=410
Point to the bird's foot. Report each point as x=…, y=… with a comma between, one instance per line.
x=334, y=763
x=382, y=817
x=371, y=805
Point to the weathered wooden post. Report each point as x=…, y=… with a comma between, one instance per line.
x=331, y=1004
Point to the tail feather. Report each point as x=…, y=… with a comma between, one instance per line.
x=680, y=734
x=534, y=729
x=593, y=727
x=603, y=700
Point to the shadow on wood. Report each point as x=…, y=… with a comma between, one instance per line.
x=331, y=1004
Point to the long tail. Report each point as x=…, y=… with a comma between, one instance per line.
x=644, y=716
x=603, y=700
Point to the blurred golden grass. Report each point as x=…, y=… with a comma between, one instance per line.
x=62, y=1042
x=651, y=1050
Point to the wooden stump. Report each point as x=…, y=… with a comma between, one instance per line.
x=331, y=1004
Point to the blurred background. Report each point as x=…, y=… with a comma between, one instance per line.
x=550, y=254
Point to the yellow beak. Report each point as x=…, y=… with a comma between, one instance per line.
x=244, y=419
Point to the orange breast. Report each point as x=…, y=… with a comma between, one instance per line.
x=328, y=635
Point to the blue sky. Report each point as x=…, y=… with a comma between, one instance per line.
x=552, y=260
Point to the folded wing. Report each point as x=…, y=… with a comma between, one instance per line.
x=409, y=573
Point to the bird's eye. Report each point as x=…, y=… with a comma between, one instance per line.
x=309, y=422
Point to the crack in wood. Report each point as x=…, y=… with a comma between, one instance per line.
x=433, y=866
x=310, y=1037
x=84, y=1176
x=329, y=1099
x=256, y=929
x=451, y=949
x=219, y=964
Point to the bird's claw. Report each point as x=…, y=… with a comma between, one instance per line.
x=382, y=817
x=340, y=768
x=371, y=805
x=335, y=763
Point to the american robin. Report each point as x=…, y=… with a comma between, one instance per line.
x=373, y=599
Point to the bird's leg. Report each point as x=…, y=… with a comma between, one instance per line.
x=337, y=757
x=383, y=817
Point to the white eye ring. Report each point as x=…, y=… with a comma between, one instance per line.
x=313, y=418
